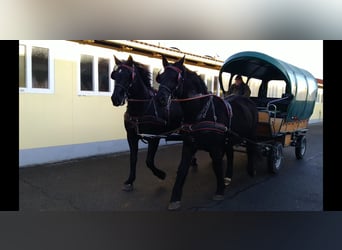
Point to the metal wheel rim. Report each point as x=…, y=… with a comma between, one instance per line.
x=277, y=157
x=302, y=147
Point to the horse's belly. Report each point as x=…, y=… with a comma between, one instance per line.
x=208, y=141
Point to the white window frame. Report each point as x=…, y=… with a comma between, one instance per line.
x=96, y=53
x=28, y=68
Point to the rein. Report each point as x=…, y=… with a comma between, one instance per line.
x=180, y=79
x=206, y=125
x=145, y=118
x=131, y=68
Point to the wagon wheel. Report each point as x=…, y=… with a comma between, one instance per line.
x=300, y=148
x=275, y=158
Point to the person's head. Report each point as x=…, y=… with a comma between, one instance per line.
x=238, y=79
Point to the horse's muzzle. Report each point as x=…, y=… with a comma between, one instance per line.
x=117, y=101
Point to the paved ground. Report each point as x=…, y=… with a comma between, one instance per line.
x=94, y=184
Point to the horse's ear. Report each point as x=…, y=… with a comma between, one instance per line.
x=117, y=61
x=165, y=62
x=181, y=61
x=130, y=59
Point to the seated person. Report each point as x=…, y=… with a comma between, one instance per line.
x=239, y=88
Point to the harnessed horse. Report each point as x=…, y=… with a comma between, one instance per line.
x=143, y=119
x=210, y=123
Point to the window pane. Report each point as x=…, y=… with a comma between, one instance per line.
x=103, y=66
x=202, y=77
x=86, y=72
x=22, y=66
x=225, y=80
x=40, y=67
x=216, y=86
x=154, y=77
x=254, y=85
x=209, y=84
x=276, y=88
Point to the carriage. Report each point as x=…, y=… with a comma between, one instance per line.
x=285, y=96
x=272, y=118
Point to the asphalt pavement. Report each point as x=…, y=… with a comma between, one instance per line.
x=95, y=183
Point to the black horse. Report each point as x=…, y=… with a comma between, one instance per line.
x=143, y=119
x=210, y=123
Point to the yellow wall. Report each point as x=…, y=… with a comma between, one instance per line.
x=63, y=117
x=66, y=118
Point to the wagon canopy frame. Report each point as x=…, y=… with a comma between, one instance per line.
x=300, y=83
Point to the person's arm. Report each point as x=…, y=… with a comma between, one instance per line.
x=230, y=90
x=247, y=91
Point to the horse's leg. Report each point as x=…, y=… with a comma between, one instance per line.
x=251, y=149
x=183, y=168
x=217, y=157
x=230, y=161
x=193, y=162
x=151, y=152
x=133, y=140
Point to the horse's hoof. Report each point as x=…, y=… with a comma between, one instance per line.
x=194, y=168
x=252, y=173
x=161, y=175
x=227, y=181
x=194, y=163
x=127, y=187
x=174, y=205
x=218, y=197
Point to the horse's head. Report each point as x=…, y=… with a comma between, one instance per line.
x=170, y=80
x=123, y=74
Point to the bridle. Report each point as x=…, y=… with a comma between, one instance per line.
x=180, y=79
x=132, y=70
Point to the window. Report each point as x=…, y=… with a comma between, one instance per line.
x=225, y=80
x=86, y=65
x=94, y=74
x=276, y=88
x=216, y=86
x=22, y=66
x=36, y=69
x=210, y=84
x=254, y=85
x=103, y=65
x=40, y=67
x=155, y=84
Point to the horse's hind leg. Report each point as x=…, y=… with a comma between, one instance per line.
x=217, y=157
x=151, y=152
x=193, y=163
x=230, y=159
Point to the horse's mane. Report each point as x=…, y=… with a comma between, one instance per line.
x=199, y=83
x=144, y=73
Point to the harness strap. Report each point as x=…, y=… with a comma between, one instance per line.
x=132, y=69
x=203, y=113
x=229, y=112
x=204, y=126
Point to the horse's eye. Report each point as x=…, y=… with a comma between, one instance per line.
x=120, y=70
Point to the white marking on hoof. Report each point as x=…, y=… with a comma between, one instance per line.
x=227, y=181
x=174, y=205
x=127, y=187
